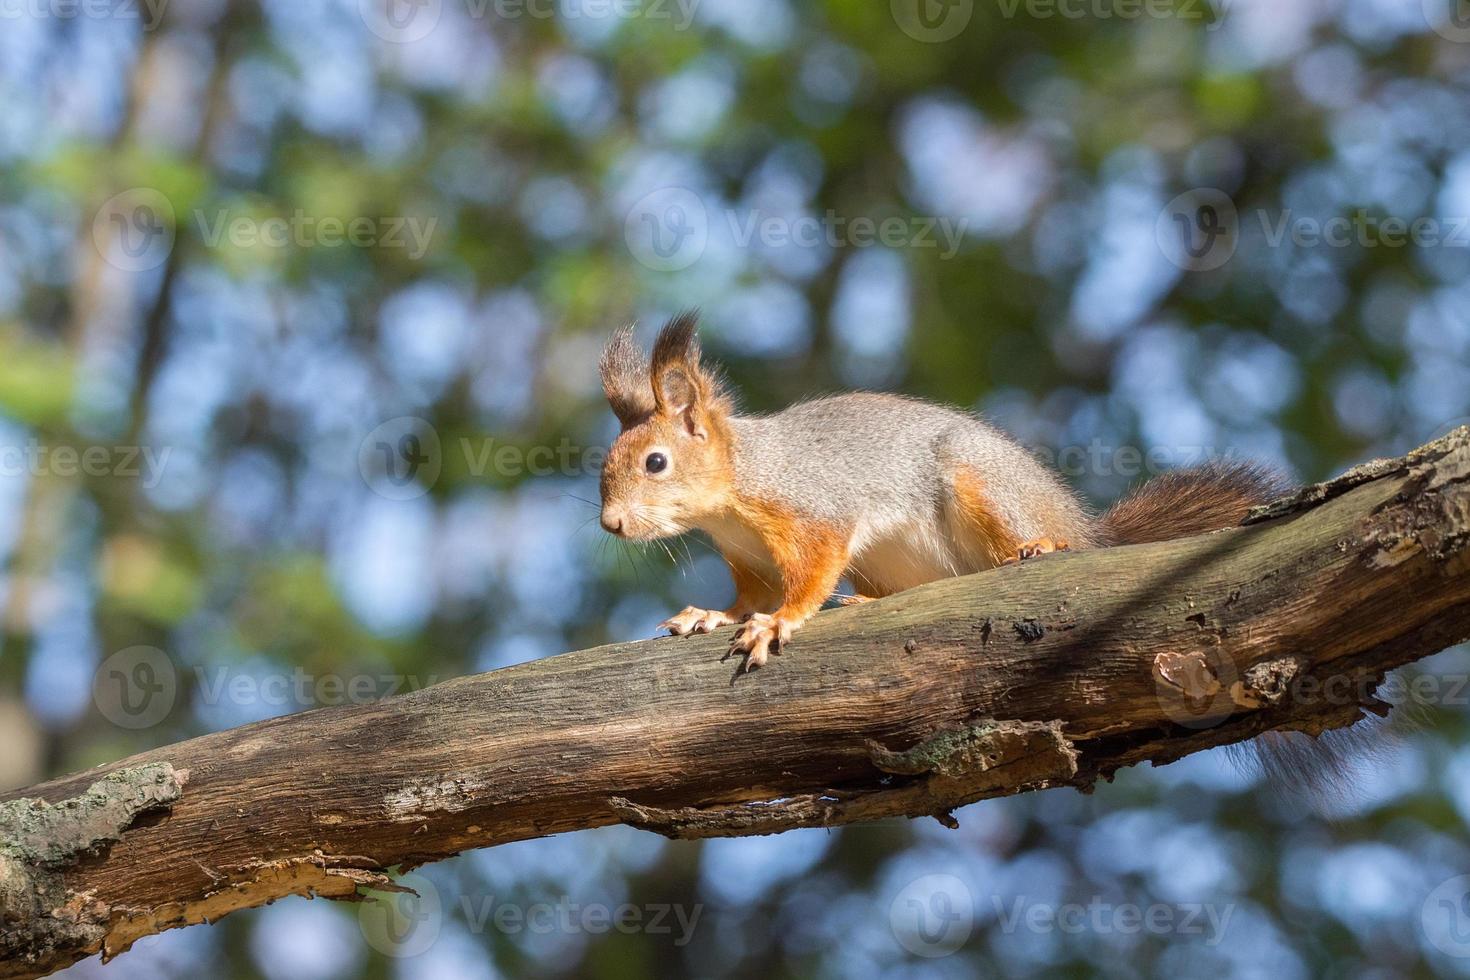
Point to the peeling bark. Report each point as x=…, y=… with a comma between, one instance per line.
x=1054, y=672
x=41, y=917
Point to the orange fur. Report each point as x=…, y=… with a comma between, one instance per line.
x=753, y=592
x=687, y=417
x=988, y=535
x=809, y=555
x=784, y=564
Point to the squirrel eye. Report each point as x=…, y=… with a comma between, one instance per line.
x=656, y=462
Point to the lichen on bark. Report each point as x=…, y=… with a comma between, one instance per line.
x=38, y=840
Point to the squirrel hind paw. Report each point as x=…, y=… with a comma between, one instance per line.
x=1034, y=547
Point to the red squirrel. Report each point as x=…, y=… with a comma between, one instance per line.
x=889, y=491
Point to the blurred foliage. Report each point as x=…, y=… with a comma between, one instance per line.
x=174, y=198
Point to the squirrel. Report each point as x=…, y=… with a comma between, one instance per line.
x=889, y=491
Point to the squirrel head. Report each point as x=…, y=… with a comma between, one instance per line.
x=671, y=464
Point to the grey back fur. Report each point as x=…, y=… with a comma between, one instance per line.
x=894, y=458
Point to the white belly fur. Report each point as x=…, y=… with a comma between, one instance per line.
x=883, y=562
x=900, y=558
x=742, y=544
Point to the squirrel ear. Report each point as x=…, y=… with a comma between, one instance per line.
x=679, y=386
x=625, y=379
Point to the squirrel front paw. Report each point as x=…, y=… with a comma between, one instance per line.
x=696, y=620
x=761, y=635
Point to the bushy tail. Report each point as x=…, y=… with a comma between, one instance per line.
x=1322, y=774
x=1203, y=498
x=1317, y=774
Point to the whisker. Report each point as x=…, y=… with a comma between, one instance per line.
x=590, y=503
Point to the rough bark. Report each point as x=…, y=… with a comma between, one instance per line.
x=1054, y=672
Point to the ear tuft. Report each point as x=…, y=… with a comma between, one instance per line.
x=625, y=379
x=678, y=343
x=677, y=379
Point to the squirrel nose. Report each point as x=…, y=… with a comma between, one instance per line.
x=612, y=521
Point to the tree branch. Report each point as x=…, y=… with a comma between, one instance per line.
x=1055, y=672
